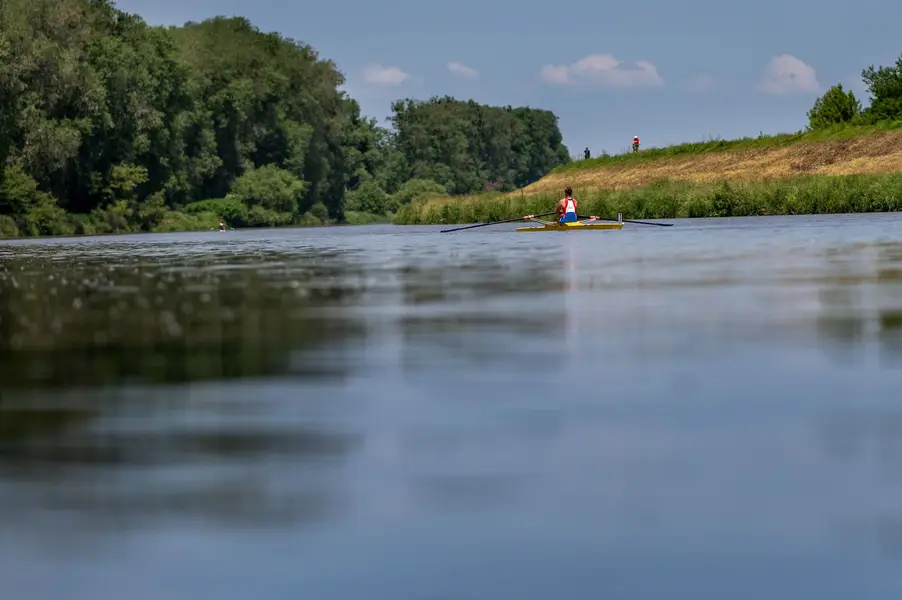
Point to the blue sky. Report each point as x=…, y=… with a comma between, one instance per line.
x=666, y=71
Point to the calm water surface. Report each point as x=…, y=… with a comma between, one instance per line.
x=706, y=411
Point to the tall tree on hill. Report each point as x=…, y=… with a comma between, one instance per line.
x=885, y=87
x=834, y=107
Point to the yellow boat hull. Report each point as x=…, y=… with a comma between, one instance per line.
x=572, y=227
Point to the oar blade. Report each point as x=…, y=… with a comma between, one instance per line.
x=594, y=218
x=525, y=217
x=647, y=223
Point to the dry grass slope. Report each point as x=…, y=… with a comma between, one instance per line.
x=872, y=154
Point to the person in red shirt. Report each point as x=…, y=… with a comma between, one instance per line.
x=636, y=144
x=566, y=207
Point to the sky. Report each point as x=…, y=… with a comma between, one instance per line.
x=666, y=71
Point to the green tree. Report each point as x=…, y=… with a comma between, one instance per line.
x=264, y=100
x=108, y=124
x=372, y=154
x=368, y=197
x=468, y=147
x=34, y=212
x=269, y=187
x=834, y=107
x=885, y=87
x=418, y=188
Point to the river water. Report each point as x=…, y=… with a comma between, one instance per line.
x=706, y=411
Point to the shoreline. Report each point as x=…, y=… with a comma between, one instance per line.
x=405, y=225
x=813, y=194
x=679, y=196
x=845, y=169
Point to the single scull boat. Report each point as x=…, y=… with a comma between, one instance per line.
x=580, y=225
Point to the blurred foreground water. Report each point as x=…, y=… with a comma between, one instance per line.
x=705, y=411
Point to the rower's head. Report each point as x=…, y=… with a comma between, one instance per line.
x=568, y=192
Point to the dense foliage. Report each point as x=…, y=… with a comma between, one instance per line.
x=467, y=147
x=108, y=124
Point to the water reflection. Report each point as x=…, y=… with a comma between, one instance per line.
x=611, y=396
x=153, y=320
x=116, y=365
x=101, y=358
x=860, y=302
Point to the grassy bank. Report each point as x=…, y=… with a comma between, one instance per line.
x=812, y=194
x=835, y=170
x=869, y=152
x=762, y=142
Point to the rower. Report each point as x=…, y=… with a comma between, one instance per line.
x=566, y=207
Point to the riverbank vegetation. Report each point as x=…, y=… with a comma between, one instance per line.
x=670, y=199
x=848, y=159
x=110, y=125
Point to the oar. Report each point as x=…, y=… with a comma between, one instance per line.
x=628, y=221
x=498, y=222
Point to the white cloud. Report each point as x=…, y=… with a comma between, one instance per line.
x=702, y=83
x=604, y=69
x=462, y=70
x=380, y=75
x=786, y=74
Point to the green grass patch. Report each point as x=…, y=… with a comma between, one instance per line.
x=813, y=194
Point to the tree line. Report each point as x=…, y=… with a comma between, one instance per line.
x=108, y=124
x=839, y=106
